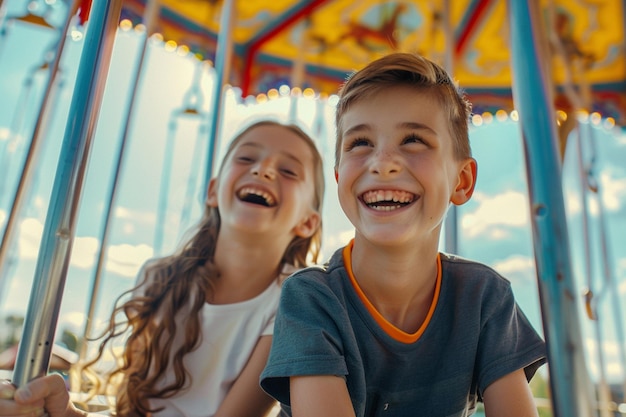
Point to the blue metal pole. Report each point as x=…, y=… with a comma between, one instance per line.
x=451, y=225
x=30, y=162
x=150, y=17
x=222, y=68
x=33, y=355
x=569, y=380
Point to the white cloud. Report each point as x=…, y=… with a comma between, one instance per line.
x=613, y=191
x=333, y=241
x=610, y=353
x=572, y=201
x=30, y=233
x=126, y=259
x=509, y=209
x=135, y=215
x=84, y=252
x=5, y=133
x=122, y=259
x=515, y=265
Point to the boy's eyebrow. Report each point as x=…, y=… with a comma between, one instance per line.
x=404, y=125
x=415, y=126
x=285, y=153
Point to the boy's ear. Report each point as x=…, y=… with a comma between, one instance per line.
x=309, y=225
x=466, y=182
x=336, y=175
x=211, y=198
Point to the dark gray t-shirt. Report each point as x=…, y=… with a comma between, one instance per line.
x=476, y=335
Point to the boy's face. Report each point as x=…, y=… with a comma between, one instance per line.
x=397, y=174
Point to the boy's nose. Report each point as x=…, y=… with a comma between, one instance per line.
x=384, y=163
x=264, y=170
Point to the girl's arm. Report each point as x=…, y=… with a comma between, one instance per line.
x=246, y=398
x=510, y=396
x=320, y=395
x=47, y=392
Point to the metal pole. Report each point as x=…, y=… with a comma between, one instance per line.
x=3, y=15
x=150, y=17
x=571, y=394
x=32, y=155
x=34, y=351
x=222, y=69
x=451, y=228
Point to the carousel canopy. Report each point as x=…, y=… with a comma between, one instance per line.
x=317, y=43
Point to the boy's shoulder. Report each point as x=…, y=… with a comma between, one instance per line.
x=333, y=266
x=463, y=268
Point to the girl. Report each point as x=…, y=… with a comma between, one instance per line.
x=201, y=320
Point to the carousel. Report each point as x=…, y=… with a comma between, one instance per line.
x=114, y=113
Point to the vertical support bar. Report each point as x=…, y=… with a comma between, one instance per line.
x=569, y=381
x=452, y=217
x=222, y=69
x=33, y=355
x=29, y=165
x=150, y=16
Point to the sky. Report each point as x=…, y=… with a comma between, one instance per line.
x=494, y=225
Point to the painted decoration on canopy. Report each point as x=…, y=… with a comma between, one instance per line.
x=318, y=43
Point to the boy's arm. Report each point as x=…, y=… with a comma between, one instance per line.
x=510, y=396
x=320, y=395
x=246, y=398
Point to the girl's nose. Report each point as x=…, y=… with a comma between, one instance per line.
x=264, y=170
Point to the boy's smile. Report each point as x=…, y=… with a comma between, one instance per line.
x=387, y=200
x=397, y=173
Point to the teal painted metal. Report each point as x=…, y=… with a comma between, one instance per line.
x=570, y=383
x=33, y=356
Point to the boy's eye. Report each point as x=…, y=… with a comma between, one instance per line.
x=413, y=138
x=357, y=142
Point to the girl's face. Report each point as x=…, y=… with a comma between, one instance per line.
x=266, y=185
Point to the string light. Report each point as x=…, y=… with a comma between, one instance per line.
x=272, y=94
x=284, y=90
x=170, y=46
x=500, y=115
x=126, y=25
x=296, y=91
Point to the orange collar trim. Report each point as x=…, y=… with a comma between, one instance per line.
x=390, y=329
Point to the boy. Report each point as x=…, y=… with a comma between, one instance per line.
x=390, y=326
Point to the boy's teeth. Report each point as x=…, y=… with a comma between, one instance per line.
x=388, y=196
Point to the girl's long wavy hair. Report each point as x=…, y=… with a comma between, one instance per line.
x=179, y=283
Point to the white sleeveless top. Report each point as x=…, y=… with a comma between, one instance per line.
x=229, y=334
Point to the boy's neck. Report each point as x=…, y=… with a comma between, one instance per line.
x=399, y=282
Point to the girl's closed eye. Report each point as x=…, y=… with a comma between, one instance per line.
x=244, y=158
x=289, y=172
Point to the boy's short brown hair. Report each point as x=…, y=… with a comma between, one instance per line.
x=414, y=71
